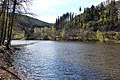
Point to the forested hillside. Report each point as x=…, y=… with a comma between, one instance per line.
x=95, y=18
x=97, y=23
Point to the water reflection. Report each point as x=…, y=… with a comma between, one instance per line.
x=50, y=60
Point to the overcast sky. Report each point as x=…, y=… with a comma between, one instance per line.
x=49, y=10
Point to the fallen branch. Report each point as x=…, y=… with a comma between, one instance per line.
x=3, y=68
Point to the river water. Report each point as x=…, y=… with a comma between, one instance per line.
x=51, y=60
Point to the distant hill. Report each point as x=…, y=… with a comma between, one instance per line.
x=27, y=21
x=24, y=26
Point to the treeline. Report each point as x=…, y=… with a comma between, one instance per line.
x=8, y=8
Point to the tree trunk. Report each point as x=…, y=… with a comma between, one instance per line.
x=11, y=25
x=6, y=23
x=2, y=22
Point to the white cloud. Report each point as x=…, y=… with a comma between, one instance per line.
x=45, y=5
x=50, y=19
x=42, y=7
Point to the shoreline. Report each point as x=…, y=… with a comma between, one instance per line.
x=7, y=70
x=82, y=41
x=67, y=40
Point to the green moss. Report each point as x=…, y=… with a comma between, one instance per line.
x=100, y=36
